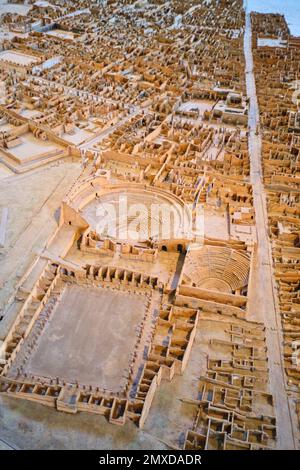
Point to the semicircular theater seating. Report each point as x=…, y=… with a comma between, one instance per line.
x=137, y=214
x=217, y=268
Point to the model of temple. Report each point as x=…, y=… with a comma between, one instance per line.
x=149, y=226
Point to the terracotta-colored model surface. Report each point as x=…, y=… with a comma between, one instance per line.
x=89, y=326
x=149, y=226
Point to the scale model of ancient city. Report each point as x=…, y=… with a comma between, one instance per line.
x=149, y=226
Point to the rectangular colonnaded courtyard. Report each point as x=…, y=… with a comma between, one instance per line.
x=89, y=337
x=18, y=57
